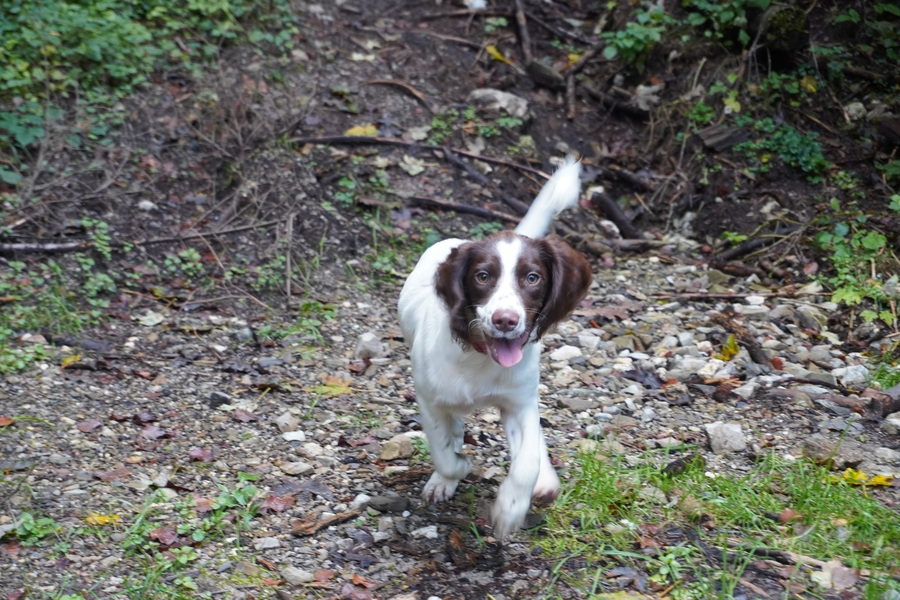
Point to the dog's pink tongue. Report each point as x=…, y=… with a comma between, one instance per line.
x=506, y=352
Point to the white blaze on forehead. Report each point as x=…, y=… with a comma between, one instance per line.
x=506, y=293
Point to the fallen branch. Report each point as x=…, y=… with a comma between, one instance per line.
x=404, y=86
x=524, y=38
x=312, y=524
x=613, y=105
x=752, y=245
x=427, y=202
x=609, y=207
x=620, y=174
x=511, y=201
x=345, y=140
x=736, y=295
x=51, y=248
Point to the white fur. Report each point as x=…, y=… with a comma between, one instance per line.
x=506, y=294
x=451, y=381
x=559, y=193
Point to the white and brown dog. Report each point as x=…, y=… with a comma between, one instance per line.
x=473, y=313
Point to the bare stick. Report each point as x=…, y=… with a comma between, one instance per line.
x=47, y=248
x=606, y=204
x=487, y=213
x=351, y=140
x=524, y=38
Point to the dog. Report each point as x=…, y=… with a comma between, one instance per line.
x=473, y=314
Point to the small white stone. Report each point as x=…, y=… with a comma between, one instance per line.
x=146, y=205
x=564, y=353
x=428, y=532
x=294, y=436
x=267, y=543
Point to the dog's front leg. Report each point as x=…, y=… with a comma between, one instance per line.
x=523, y=432
x=445, y=439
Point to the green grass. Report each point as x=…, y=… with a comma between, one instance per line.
x=631, y=514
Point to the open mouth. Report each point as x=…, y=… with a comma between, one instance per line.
x=506, y=351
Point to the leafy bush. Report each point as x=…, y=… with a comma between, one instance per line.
x=112, y=46
x=799, y=150
x=720, y=19
x=633, y=44
x=858, y=256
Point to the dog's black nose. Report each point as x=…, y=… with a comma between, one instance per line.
x=505, y=320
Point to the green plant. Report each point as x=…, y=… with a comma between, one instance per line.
x=20, y=128
x=722, y=20
x=890, y=169
x=442, y=125
x=857, y=256
x=483, y=230
x=799, y=150
x=701, y=114
x=421, y=450
x=492, y=24
x=733, y=238
x=187, y=262
x=633, y=44
x=31, y=531
x=99, y=234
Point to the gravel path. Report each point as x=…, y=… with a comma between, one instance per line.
x=187, y=404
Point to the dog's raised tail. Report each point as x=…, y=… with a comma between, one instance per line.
x=559, y=193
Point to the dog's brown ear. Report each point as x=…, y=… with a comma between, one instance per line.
x=570, y=278
x=449, y=283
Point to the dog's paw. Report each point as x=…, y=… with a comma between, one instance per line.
x=547, y=487
x=508, y=513
x=439, y=488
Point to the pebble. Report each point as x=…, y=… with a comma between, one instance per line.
x=297, y=468
x=266, y=543
x=399, y=446
x=725, y=437
x=565, y=353
x=294, y=436
x=286, y=422
x=390, y=504
x=295, y=576
x=429, y=532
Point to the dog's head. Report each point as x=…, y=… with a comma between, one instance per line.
x=507, y=290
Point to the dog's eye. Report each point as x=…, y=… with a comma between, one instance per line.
x=481, y=276
x=532, y=278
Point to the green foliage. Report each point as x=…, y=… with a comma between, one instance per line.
x=443, y=125
x=31, y=531
x=471, y=122
x=482, y=230
x=858, y=256
x=701, y=114
x=633, y=44
x=720, y=20
x=890, y=169
x=46, y=298
x=879, y=27
x=57, y=46
x=733, y=238
x=799, y=150
x=492, y=24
